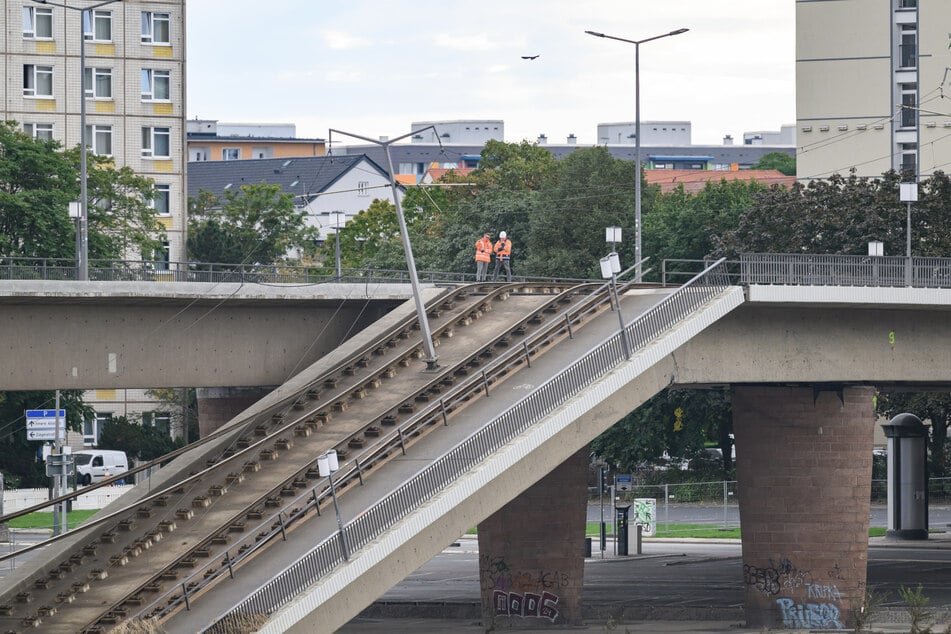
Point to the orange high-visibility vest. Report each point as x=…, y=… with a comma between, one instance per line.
x=503, y=249
x=483, y=250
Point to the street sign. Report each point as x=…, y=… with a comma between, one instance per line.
x=624, y=482
x=41, y=424
x=41, y=434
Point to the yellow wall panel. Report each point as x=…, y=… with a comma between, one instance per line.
x=108, y=50
x=106, y=106
x=46, y=47
x=106, y=395
x=46, y=105
x=165, y=221
x=162, y=166
x=162, y=108
x=162, y=51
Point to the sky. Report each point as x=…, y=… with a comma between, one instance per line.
x=373, y=67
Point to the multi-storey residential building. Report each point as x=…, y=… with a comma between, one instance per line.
x=210, y=140
x=871, y=77
x=133, y=85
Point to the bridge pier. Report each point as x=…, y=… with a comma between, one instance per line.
x=531, y=552
x=218, y=405
x=803, y=467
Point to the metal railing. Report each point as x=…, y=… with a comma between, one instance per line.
x=489, y=439
x=60, y=269
x=845, y=270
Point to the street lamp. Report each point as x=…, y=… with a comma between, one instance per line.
x=337, y=243
x=431, y=358
x=908, y=193
x=637, y=134
x=610, y=267
x=82, y=255
x=327, y=465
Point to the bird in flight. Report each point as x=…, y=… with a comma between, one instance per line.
x=530, y=56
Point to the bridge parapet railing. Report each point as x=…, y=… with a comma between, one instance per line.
x=845, y=270
x=409, y=496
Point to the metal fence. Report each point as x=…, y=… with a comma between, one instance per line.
x=845, y=270
x=149, y=271
x=464, y=457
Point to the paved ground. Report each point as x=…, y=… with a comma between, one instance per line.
x=430, y=618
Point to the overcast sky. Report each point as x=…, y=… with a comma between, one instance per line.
x=373, y=67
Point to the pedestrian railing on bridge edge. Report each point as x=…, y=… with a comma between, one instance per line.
x=59, y=269
x=381, y=517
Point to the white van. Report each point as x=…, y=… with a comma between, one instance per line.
x=94, y=465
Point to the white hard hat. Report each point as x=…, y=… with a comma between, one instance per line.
x=501, y=234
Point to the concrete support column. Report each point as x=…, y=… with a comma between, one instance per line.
x=531, y=552
x=804, y=471
x=218, y=405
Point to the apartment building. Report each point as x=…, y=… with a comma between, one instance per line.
x=133, y=85
x=211, y=140
x=871, y=84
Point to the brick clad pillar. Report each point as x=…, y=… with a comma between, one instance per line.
x=804, y=471
x=218, y=405
x=531, y=553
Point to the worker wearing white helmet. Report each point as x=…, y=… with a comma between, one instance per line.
x=503, y=253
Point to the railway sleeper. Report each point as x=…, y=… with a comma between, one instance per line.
x=201, y=501
x=65, y=597
x=220, y=539
x=302, y=431
x=268, y=454
x=234, y=477
x=356, y=443
x=260, y=430
x=389, y=420
x=167, y=526
x=252, y=466
x=283, y=444
x=118, y=561
x=313, y=395
x=143, y=511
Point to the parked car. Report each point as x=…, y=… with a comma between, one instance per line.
x=95, y=465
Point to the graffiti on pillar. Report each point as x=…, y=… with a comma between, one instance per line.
x=818, y=591
x=778, y=575
x=496, y=574
x=525, y=605
x=809, y=615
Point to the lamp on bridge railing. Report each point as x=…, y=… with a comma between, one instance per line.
x=908, y=193
x=610, y=267
x=327, y=465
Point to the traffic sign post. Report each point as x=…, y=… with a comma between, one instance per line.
x=50, y=424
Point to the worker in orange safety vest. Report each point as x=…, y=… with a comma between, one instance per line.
x=503, y=253
x=483, y=256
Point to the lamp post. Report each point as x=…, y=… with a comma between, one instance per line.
x=337, y=244
x=82, y=257
x=327, y=465
x=908, y=193
x=637, y=134
x=610, y=267
x=431, y=358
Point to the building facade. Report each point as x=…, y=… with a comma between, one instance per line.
x=209, y=140
x=133, y=86
x=870, y=82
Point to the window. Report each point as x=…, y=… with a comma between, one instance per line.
x=37, y=81
x=909, y=110
x=156, y=85
x=161, y=199
x=91, y=428
x=97, y=25
x=161, y=257
x=908, y=49
x=41, y=131
x=161, y=421
x=155, y=28
x=909, y=161
x=38, y=23
x=363, y=188
x=230, y=154
x=98, y=83
x=156, y=142
x=99, y=139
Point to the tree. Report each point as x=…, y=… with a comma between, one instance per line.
x=38, y=181
x=258, y=224
x=19, y=458
x=779, y=161
x=139, y=442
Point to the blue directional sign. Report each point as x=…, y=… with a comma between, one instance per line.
x=41, y=423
